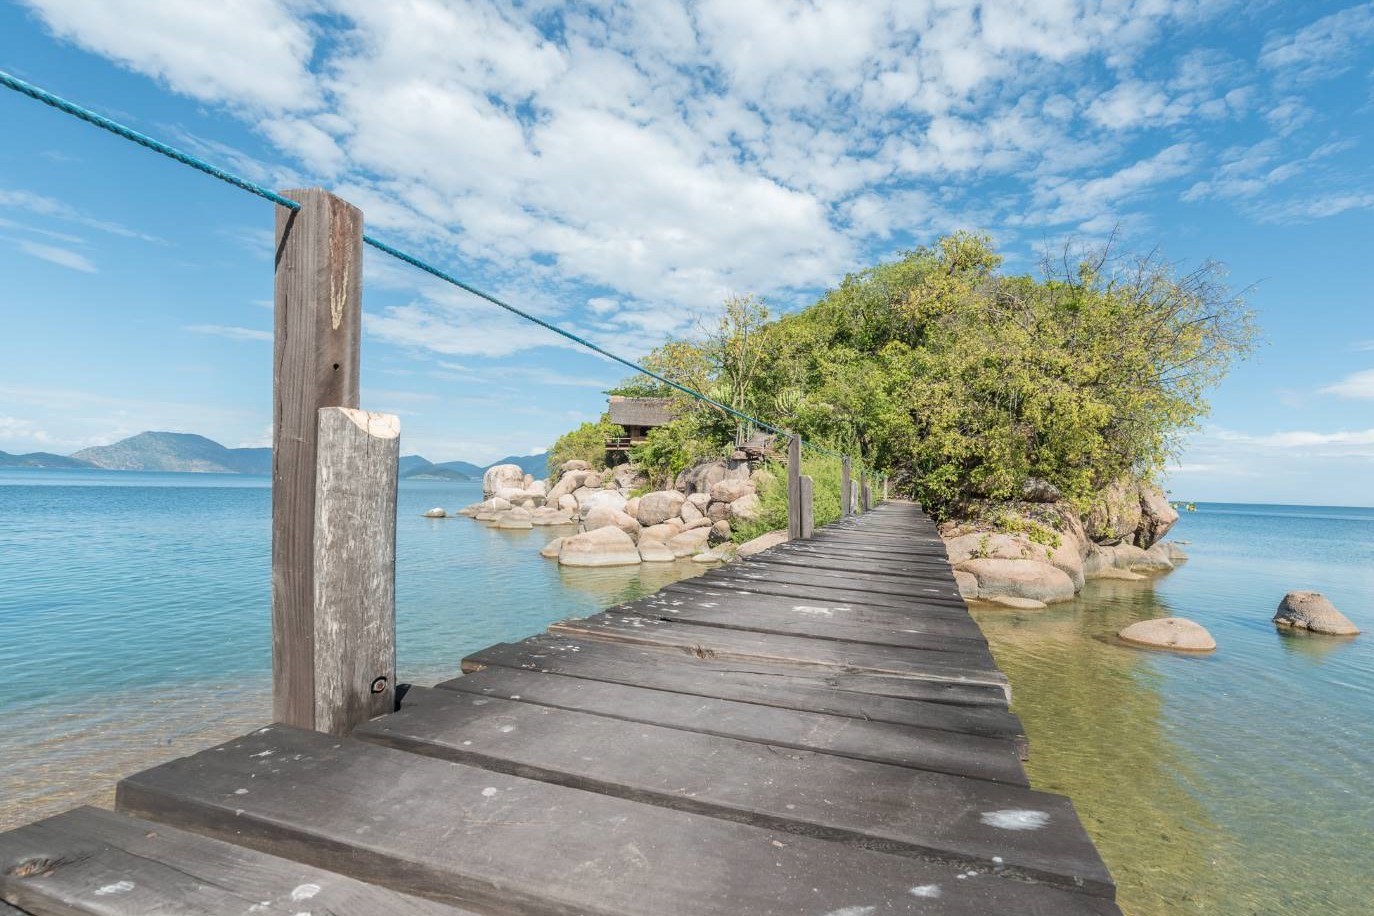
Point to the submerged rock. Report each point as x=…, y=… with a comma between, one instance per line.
x=1177, y=633
x=1020, y=604
x=436, y=513
x=1312, y=611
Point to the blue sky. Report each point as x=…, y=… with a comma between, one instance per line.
x=621, y=168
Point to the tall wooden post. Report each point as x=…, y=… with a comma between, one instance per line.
x=319, y=258
x=846, y=488
x=866, y=493
x=884, y=488
x=807, y=491
x=794, y=498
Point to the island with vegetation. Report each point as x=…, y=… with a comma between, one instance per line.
x=1031, y=415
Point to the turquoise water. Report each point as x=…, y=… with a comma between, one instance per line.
x=135, y=615
x=134, y=626
x=1241, y=782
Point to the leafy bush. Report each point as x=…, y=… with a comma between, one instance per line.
x=586, y=443
x=825, y=477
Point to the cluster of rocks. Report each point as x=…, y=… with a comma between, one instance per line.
x=1043, y=551
x=1308, y=611
x=615, y=528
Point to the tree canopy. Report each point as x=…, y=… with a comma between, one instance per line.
x=962, y=381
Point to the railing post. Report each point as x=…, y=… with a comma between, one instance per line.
x=794, y=498
x=884, y=488
x=315, y=365
x=866, y=493
x=807, y=491
x=846, y=488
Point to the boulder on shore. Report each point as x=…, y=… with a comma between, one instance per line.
x=607, y=546
x=1019, y=579
x=501, y=476
x=655, y=552
x=967, y=582
x=1018, y=604
x=761, y=543
x=689, y=542
x=436, y=512
x=1312, y=611
x=516, y=519
x=1177, y=633
x=720, y=533
x=745, y=509
x=657, y=507
x=1156, y=516
x=731, y=489
x=551, y=549
x=575, y=464
x=601, y=516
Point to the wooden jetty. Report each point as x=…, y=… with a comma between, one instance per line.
x=746, y=742
x=816, y=730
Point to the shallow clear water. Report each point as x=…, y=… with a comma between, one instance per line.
x=1239, y=782
x=135, y=615
x=134, y=627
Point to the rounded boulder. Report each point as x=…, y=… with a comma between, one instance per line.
x=607, y=546
x=1176, y=633
x=657, y=507
x=1313, y=612
x=1019, y=579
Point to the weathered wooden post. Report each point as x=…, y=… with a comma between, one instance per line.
x=866, y=494
x=333, y=482
x=884, y=488
x=794, y=498
x=807, y=490
x=846, y=488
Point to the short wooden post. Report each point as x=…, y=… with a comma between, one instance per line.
x=807, y=491
x=319, y=259
x=884, y=488
x=867, y=493
x=846, y=488
x=794, y=500
x=355, y=567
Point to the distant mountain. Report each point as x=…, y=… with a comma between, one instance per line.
x=409, y=463
x=434, y=472
x=158, y=451
x=41, y=460
x=463, y=467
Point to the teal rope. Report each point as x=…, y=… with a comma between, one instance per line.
x=85, y=114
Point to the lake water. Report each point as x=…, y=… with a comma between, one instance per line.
x=134, y=627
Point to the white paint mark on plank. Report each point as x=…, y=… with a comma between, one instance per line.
x=1016, y=819
x=119, y=887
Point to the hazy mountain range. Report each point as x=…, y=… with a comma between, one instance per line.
x=157, y=451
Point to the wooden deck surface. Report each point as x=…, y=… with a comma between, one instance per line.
x=819, y=730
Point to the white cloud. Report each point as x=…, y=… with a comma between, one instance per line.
x=1357, y=385
x=626, y=164
x=17, y=430
x=63, y=257
x=249, y=52
x=228, y=331
x=1323, y=48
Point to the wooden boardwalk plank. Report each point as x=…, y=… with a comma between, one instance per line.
x=857, y=694
x=773, y=585
x=459, y=834
x=947, y=727
x=743, y=591
x=705, y=606
x=721, y=643
x=928, y=589
x=858, y=802
x=98, y=862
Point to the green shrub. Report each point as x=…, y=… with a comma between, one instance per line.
x=586, y=443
